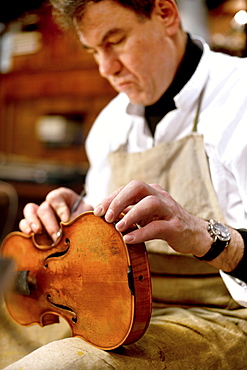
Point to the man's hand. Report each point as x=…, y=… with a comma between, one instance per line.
x=56, y=207
x=159, y=216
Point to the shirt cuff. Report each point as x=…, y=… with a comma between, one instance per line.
x=236, y=287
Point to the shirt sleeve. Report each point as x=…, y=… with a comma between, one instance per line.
x=108, y=132
x=98, y=175
x=236, y=287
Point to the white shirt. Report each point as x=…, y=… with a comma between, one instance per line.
x=222, y=122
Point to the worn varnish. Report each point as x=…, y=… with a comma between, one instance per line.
x=90, y=277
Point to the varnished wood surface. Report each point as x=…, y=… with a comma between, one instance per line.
x=83, y=278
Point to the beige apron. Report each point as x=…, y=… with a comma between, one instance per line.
x=181, y=168
x=204, y=337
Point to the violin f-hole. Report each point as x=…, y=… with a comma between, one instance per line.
x=58, y=254
x=87, y=275
x=63, y=307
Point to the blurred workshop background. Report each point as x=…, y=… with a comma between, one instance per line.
x=51, y=92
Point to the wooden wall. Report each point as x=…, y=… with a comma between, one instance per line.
x=60, y=78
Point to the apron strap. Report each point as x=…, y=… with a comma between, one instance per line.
x=194, y=129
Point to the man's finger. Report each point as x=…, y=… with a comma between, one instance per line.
x=32, y=220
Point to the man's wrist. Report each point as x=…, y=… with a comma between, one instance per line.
x=220, y=238
x=240, y=271
x=202, y=240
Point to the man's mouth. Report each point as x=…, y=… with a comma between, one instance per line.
x=122, y=86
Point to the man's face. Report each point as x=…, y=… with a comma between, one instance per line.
x=135, y=55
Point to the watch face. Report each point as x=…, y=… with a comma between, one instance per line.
x=221, y=231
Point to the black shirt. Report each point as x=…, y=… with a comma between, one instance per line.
x=165, y=104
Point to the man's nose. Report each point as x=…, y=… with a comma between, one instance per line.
x=109, y=64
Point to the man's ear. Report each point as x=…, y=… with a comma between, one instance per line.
x=168, y=13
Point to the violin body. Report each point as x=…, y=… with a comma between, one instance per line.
x=89, y=276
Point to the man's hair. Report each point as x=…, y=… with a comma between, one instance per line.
x=65, y=11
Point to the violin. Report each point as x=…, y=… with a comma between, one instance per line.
x=90, y=277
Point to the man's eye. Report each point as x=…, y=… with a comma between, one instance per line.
x=89, y=51
x=116, y=42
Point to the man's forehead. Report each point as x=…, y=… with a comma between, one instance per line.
x=102, y=39
x=102, y=20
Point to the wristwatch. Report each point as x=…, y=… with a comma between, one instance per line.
x=221, y=238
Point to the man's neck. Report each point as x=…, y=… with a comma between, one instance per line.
x=154, y=113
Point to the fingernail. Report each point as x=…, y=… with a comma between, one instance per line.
x=64, y=217
x=128, y=238
x=35, y=228
x=98, y=211
x=28, y=230
x=54, y=237
x=109, y=215
x=120, y=225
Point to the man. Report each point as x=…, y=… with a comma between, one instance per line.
x=177, y=101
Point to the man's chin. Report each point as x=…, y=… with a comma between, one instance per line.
x=138, y=99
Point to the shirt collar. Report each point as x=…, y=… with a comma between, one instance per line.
x=192, y=88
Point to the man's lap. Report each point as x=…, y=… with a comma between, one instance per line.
x=177, y=338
